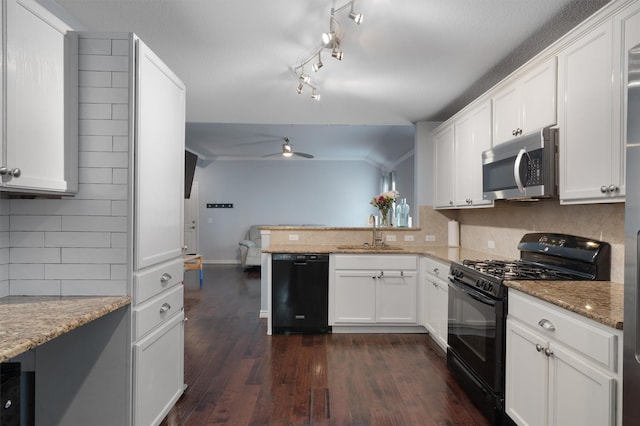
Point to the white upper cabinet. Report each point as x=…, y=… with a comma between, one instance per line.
x=472, y=137
x=458, y=159
x=40, y=116
x=443, y=164
x=160, y=99
x=526, y=104
x=591, y=116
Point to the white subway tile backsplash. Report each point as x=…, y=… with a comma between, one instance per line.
x=26, y=239
x=104, y=159
x=95, y=175
x=78, y=207
x=120, y=79
x=4, y=272
x=121, y=47
x=120, y=176
x=120, y=143
x=5, y=236
x=4, y=255
x=34, y=288
x=83, y=271
x=119, y=208
x=119, y=240
x=28, y=207
x=102, y=191
x=94, y=46
x=103, y=127
x=4, y=288
x=120, y=111
x=34, y=255
x=94, y=288
x=103, y=143
x=94, y=111
x=119, y=272
x=78, y=239
x=102, y=63
x=28, y=271
x=94, y=224
x=94, y=255
x=94, y=79
x=115, y=95
x=35, y=223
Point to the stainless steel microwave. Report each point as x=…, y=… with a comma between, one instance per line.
x=524, y=167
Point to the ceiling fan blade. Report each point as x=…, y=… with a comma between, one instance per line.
x=302, y=154
x=271, y=155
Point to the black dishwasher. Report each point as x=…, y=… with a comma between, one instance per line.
x=300, y=293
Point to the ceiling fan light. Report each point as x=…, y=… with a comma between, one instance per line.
x=356, y=17
x=287, y=151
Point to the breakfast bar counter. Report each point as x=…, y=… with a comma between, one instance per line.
x=29, y=321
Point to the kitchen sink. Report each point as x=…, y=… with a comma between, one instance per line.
x=369, y=247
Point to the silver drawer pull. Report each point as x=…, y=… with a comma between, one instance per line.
x=165, y=278
x=164, y=308
x=547, y=325
x=548, y=352
x=436, y=271
x=539, y=347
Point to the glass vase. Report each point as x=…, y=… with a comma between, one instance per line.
x=384, y=217
x=402, y=214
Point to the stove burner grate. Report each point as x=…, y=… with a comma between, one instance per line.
x=518, y=269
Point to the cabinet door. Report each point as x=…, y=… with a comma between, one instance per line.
x=506, y=114
x=442, y=313
x=539, y=97
x=472, y=137
x=579, y=394
x=431, y=317
x=158, y=376
x=588, y=147
x=41, y=101
x=444, y=166
x=354, y=297
x=159, y=144
x=526, y=376
x=396, y=298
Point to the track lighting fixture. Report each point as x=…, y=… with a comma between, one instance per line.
x=330, y=40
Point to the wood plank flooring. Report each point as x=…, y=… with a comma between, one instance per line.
x=237, y=375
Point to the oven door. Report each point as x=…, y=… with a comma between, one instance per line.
x=476, y=333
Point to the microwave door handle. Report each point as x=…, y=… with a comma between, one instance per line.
x=516, y=169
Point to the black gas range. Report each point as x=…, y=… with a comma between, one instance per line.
x=478, y=306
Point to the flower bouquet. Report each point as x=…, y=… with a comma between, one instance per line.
x=383, y=202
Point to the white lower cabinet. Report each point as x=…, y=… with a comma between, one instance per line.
x=560, y=369
x=436, y=300
x=158, y=375
x=373, y=289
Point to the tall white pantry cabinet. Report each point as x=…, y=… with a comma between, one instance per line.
x=123, y=79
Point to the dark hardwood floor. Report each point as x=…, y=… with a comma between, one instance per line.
x=237, y=375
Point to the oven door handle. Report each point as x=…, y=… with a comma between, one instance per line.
x=474, y=295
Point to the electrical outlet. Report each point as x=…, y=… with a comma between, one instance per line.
x=429, y=237
x=391, y=237
x=209, y=220
x=293, y=237
x=408, y=237
x=491, y=244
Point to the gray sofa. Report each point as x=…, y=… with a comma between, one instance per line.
x=251, y=248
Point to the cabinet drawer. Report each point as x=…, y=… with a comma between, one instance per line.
x=375, y=262
x=581, y=334
x=435, y=268
x=155, y=280
x=157, y=311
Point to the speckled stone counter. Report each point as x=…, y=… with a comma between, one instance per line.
x=29, y=321
x=600, y=301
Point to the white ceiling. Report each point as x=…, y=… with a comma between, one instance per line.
x=409, y=60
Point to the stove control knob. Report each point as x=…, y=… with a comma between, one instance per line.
x=489, y=287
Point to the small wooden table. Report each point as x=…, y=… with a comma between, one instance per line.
x=193, y=262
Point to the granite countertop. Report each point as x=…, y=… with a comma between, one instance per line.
x=29, y=321
x=601, y=301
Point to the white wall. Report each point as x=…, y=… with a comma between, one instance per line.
x=279, y=192
x=424, y=163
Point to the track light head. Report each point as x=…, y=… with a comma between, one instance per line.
x=356, y=17
x=315, y=95
x=337, y=54
x=300, y=87
x=317, y=65
x=304, y=79
x=328, y=38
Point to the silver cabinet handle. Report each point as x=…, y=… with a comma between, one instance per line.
x=548, y=352
x=539, y=347
x=603, y=189
x=436, y=271
x=4, y=171
x=547, y=325
x=164, y=308
x=613, y=188
x=165, y=278
x=8, y=404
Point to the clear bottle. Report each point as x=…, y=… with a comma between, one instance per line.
x=402, y=213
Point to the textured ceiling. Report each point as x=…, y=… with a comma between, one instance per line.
x=408, y=61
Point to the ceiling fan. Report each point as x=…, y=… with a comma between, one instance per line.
x=287, y=151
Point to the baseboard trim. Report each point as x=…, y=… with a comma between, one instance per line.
x=264, y=314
